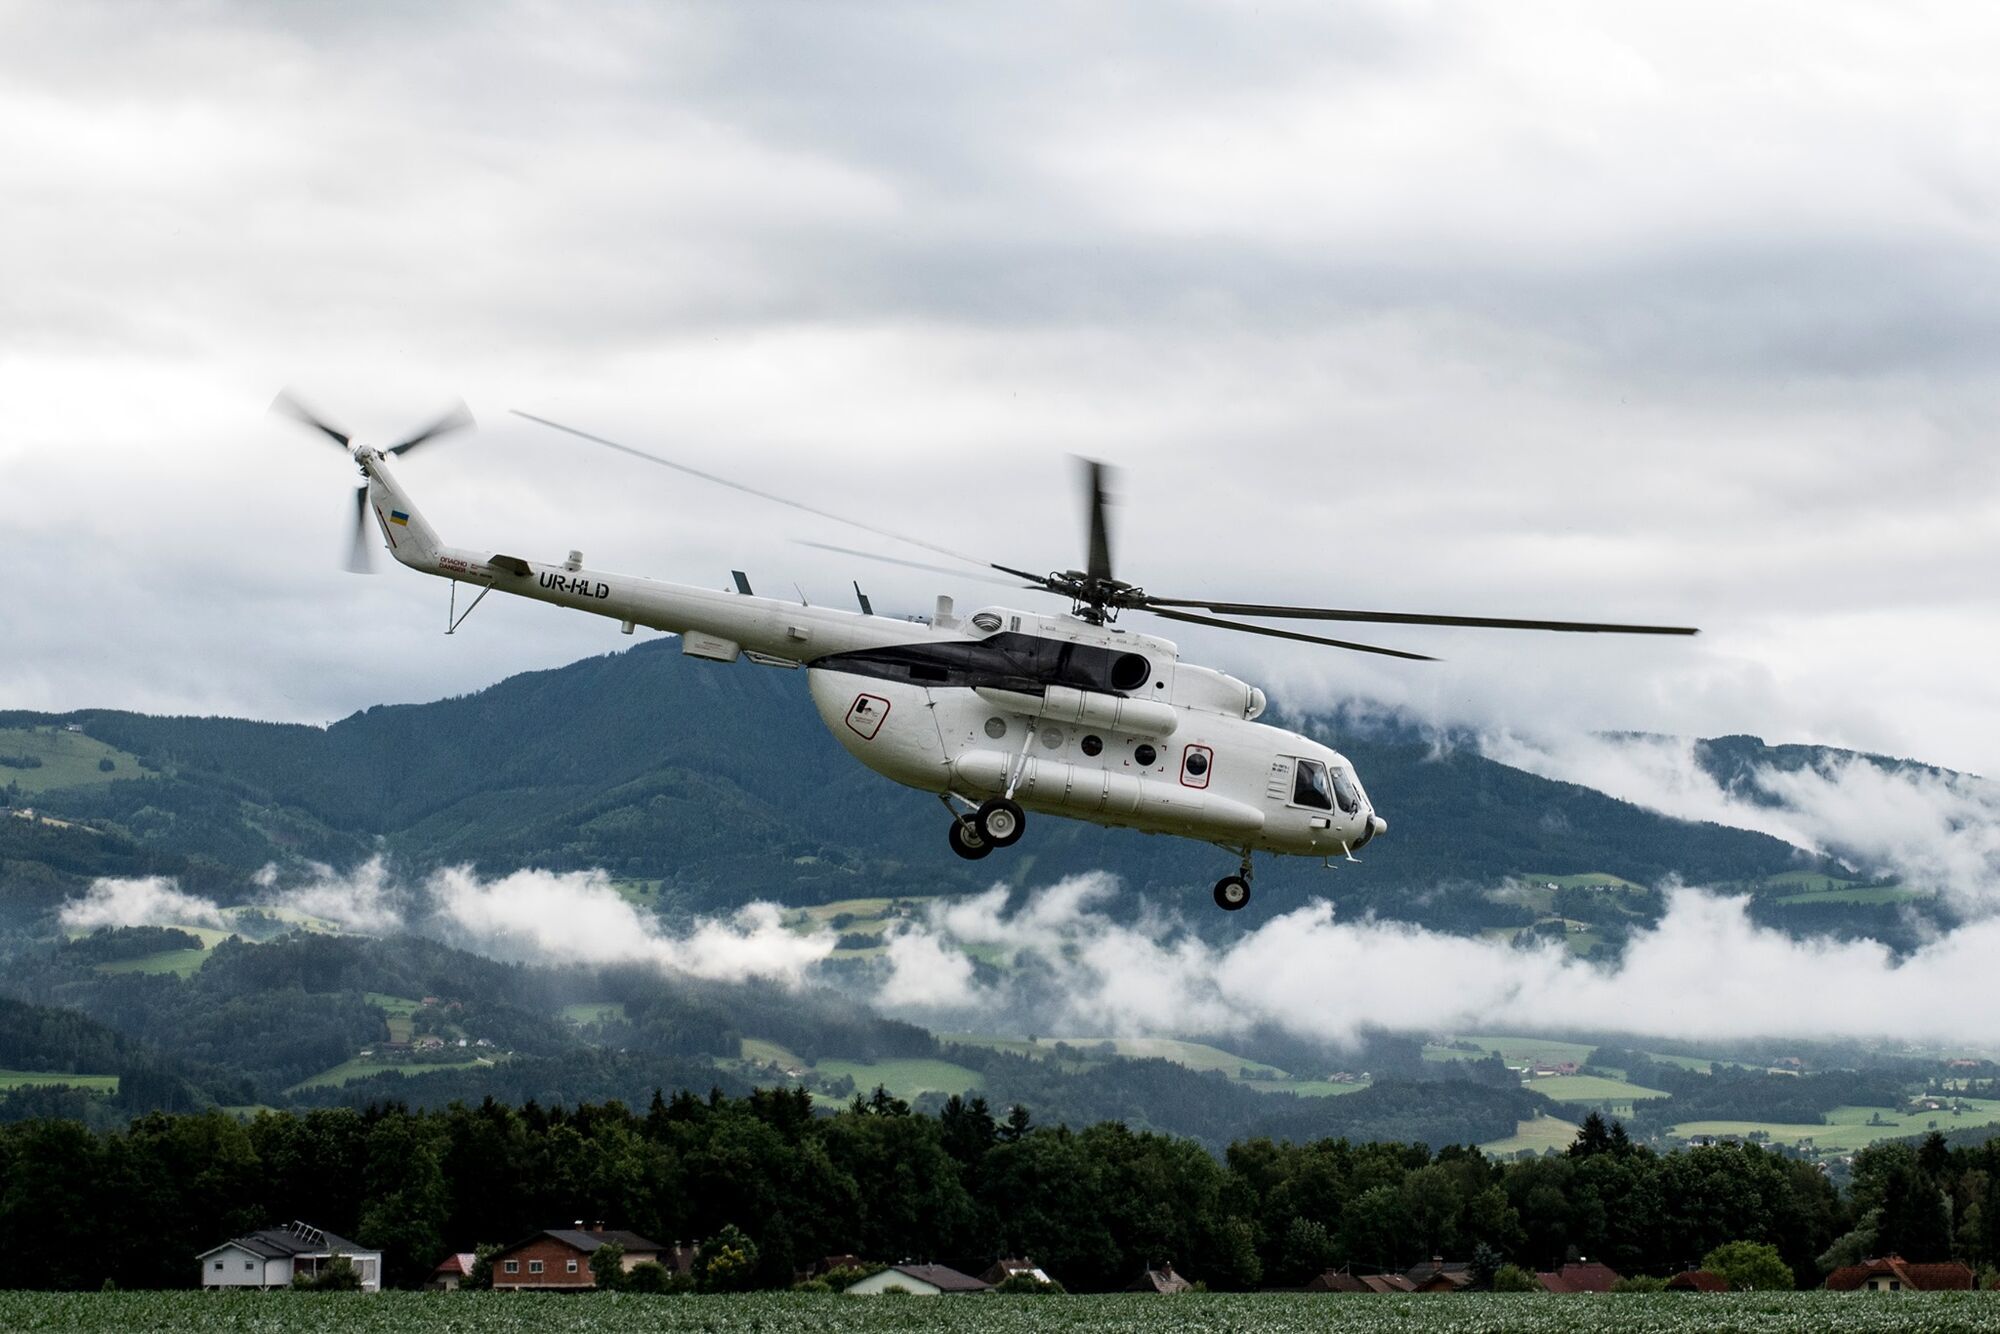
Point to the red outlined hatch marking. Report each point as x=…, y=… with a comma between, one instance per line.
x=865, y=715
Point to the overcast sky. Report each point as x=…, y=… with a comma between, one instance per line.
x=1684, y=313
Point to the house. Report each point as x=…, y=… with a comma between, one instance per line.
x=272, y=1257
x=1697, y=1280
x=1895, y=1274
x=560, y=1257
x=1162, y=1279
x=1002, y=1270
x=1580, y=1276
x=919, y=1280
x=1435, y=1275
x=451, y=1272
x=1336, y=1280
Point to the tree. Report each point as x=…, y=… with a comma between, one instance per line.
x=1308, y=1249
x=1513, y=1278
x=726, y=1262
x=480, y=1276
x=1592, y=1137
x=607, y=1266
x=1750, y=1266
x=336, y=1275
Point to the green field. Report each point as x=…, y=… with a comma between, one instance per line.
x=1537, y=1135
x=827, y=1313
x=22, y=1079
x=1847, y=1128
x=1513, y=1050
x=1198, y=1056
x=593, y=1012
x=181, y=963
x=362, y=1066
x=759, y=1052
x=68, y=759
x=398, y=1010
x=1591, y=1090
x=904, y=1079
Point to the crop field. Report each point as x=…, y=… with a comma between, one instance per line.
x=360, y=1067
x=904, y=1079
x=1591, y=1090
x=1278, y=1313
x=1537, y=1135
x=21, y=1079
x=1848, y=1128
x=43, y=758
x=181, y=963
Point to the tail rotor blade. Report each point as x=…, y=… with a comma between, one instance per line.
x=361, y=556
x=286, y=404
x=457, y=419
x=1098, y=565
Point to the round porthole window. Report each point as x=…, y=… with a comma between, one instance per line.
x=1197, y=764
x=1052, y=737
x=996, y=728
x=1130, y=672
x=1093, y=745
x=1145, y=755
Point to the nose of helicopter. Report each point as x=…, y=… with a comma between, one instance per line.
x=1377, y=826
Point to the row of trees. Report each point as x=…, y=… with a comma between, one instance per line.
x=875, y=1179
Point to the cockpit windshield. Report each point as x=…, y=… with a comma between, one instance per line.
x=1345, y=790
x=1309, y=786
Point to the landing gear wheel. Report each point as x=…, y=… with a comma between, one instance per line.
x=1000, y=822
x=1231, y=892
x=966, y=842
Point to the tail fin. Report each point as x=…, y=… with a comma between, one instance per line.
x=410, y=537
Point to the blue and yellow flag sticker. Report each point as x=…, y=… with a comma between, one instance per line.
x=400, y=518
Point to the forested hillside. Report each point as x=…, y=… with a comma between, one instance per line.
x=721, y=782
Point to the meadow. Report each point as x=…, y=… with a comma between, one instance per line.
x=1279, y=1313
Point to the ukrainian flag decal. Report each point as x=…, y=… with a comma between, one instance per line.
x=399, y=518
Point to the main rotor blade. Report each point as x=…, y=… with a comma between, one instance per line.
x=1280, y=612
x=945, y=570
x=457, y=419
x=287, y=405
x=1098, y=562
x=760, y=494
x=1193, y=619
x=361, y=556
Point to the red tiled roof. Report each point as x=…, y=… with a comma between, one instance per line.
x=1949, y=1276
x=1697, y=1280
x=1581, y=1277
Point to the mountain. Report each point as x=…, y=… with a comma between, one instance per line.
x=721, y=783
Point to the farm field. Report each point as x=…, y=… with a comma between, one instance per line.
x=593, y=1012
x=1197, y=1056
x=904, y=1079
x=362, y=1066
x=1279, y=1313
x=21, y=1079
x=181, y=963
x=1592, y=1090
x=1848, y=1127
x=66, y=759
x=1537, y=1135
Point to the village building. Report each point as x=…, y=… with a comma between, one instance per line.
x=1697, y=1280
x=919, y=1281
x=559, y=1258
x=1160, y=1279
x=1002, y=1270
x=272, y=1257
x=1580, y=1276
x=451, y=1272
x=1895, y=1274
x=1439, y=1275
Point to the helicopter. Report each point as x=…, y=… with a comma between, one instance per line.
x=1000, y=713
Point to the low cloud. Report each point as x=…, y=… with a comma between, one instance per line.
x=530, y=915
x=1705, y=971
x=1935, y=830
x=151, y=900
x=579, y=917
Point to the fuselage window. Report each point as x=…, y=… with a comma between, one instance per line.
x=1309, y=786
x=1345, y=791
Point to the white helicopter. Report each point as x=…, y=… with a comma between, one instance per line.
x=999, y=713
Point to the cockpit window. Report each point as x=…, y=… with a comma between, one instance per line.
x=1309, y=786
x=1345, y=790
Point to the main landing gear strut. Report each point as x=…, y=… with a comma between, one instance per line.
x=1233, y=891
x=995, y=823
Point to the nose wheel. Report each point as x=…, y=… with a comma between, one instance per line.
x=966, y=842
x=1233, y=891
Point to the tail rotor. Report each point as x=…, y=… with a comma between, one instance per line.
x=361, y=552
